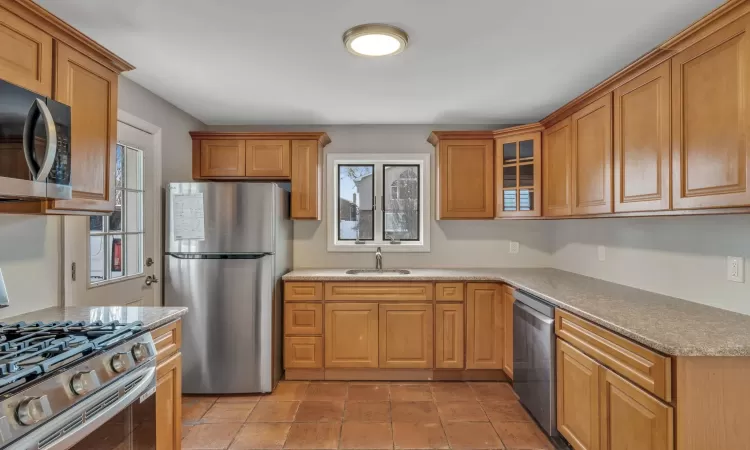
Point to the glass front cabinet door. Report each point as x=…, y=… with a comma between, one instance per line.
x=519, y=174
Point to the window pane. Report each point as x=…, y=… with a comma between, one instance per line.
x=134, y=212
x=96, y=223
x=509, y=176
x=401, y=202
x=509, y=152
x=356, y=185
x=96, y=259
x=526, y=149
x=133, y=254
x=115, y=256
x=509, y=200
x=119, y=165
x=526, y=200
x=134, y=171
x=526, y=175
x=115, y=220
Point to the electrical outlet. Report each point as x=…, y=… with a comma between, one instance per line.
x=514, y=247
x=601, y=252
x=736, y=269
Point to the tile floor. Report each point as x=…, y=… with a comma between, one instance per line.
x=363, y=415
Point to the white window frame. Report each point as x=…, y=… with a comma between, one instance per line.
x=378, y=160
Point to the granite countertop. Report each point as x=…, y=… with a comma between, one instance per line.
x=667, y=324
x=151, y=316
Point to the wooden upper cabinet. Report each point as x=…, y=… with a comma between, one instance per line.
x=405, y=336
x=592, y=157
x=518, y=173
x=25, y=54
x=484, y=326
x=267, y=159
x=222, y=158
x=630, y=418
x=306, y=179
x=556, y=170
x=578, y=418
x=351, y=335
x=711, y=120
x=642, y=142
x=90, y=90
x=508, y=301
x=449, y=336
x=466, y=183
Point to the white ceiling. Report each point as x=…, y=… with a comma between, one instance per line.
x=230, y=62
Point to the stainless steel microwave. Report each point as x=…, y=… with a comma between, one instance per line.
x=34, y=146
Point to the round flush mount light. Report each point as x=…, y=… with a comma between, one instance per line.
x=375, y=39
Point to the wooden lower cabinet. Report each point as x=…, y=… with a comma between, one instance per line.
x=405, y=336
x=484, y=326
x=303, y=352
x=508, y=300
x=449, y=336
x=577, y=397
x=351, y=335
x=169, y=403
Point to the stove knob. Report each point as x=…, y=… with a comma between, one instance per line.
x=84, y=382
x=120, y=362
x=140, y=352
x=32, y=410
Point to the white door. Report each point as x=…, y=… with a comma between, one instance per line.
x=117, y=262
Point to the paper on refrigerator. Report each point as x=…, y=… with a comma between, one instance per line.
x=188, y=217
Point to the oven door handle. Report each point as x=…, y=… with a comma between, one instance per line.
x=39, y=171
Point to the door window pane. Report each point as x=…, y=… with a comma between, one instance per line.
x=115, y=220
x=134, y=169
x=133, y=257
x=96, y=259
x=96, y=223
x=115, y=247
x=134, y=218
x=119, y=165
x=401, y=202
x=356, y=202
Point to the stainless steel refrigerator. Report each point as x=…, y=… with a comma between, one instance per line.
x=226, y=247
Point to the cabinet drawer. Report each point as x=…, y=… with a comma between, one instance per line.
x=372, y=291
x=167, y=339
x=303, y=291
x=303, y=352
x=642, y=366
x=303, y=318
x=449, y=292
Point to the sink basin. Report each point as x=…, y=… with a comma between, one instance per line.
x=377, y=272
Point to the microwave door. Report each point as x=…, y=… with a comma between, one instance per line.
x=39, y=165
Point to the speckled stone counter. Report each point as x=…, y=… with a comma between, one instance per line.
x=667, y=324
x=151, y=316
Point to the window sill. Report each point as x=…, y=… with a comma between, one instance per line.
x=416, y=247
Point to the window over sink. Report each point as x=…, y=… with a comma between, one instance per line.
x=378, y=201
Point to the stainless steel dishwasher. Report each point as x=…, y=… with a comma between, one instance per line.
x=534, y=358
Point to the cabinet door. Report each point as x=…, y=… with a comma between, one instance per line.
x=90, y=90
x=222, y=158
x=303, y=352
x=305, y=180
x=25, y=54
x=484, y=326
x=577, y=397
x=267, y=159
x=351, y=335
x=711, y=120
x=518, y=173
x=405, y=336
x=508, y=300
x=466, y=179
x=169, y=403
x=556, y=177
x=631, y=418
x=592, y=157
x=642, y=142
x=449, y=336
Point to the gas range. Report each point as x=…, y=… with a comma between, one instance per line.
x=59, y=379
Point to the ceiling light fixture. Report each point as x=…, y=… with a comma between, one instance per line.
x=375, y=39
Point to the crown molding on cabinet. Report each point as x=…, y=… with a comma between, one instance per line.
x=321, y=137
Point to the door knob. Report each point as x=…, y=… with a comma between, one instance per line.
x=151, y=279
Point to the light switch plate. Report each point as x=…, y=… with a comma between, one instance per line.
x=514, y=247
x=736, y=269
x=601, y=252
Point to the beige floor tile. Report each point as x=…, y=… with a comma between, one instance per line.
x=211, y=436
x=414, y=412
x=411, y=392
x=451, y=392
x=327, y=391
x=249, y=398
x=419, y=435
x=493, y=391
x=228, y=412
x=199, y=398
x=522, y=436
x=505, y=412
x=367, y=412
x=461, y=412
x=274, y=412
x=315, y=411
x=192, y=411
x=366, y=435
x=313, y=435
x=472, y=435
x=185, y=430
x=261, y=436
x=368, y=393
x=287, y=391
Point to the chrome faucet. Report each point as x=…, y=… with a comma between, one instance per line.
x=378, y=259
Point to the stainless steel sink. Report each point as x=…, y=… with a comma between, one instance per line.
x=377, y=272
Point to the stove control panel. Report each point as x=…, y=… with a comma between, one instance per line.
x=33, y=409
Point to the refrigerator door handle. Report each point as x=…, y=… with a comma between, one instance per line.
x=218, y=256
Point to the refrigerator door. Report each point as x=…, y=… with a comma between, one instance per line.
x=236, y=218
x=227, y=334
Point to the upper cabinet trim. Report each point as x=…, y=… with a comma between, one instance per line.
x=321, y=137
